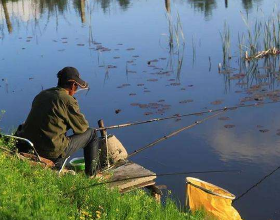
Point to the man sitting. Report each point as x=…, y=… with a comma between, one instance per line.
x=55, y=111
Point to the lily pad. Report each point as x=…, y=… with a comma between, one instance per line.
x=186, y=101
x=264, y=130
x=229, y=126
x=152, y=80
x=148, y=113
x=111, y=66
x=217, y=102
x=135, y=104
x=224, y=118
x=175, y=84
x=117, y=111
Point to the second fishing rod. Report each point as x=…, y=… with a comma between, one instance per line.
x=165, y=137
x=184, y=115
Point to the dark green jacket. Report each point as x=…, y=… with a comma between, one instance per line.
x=53, y=113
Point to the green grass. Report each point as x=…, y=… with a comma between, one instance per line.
x=31, y=192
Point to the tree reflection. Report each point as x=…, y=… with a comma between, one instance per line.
x=205, y=6
x=124, y=4
x=248, y=4
x=7, y=16
x=105, y=4
x=80, y=6
x=52, y=5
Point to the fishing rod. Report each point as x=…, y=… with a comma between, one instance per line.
x=167, y=136
x=155, y=175
x=175, y=133
x=183, y=115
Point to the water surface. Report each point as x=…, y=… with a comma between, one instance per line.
x=122, y=48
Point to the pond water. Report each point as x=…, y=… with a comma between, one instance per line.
x=152, y=59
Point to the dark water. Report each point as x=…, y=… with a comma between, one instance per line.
x=111, y=43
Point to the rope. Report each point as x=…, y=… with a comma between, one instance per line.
x=181, y=116
x=156, y=175
x=255, y=185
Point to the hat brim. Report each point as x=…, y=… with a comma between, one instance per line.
x=83, y=84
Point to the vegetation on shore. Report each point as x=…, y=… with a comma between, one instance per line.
x=31, y=192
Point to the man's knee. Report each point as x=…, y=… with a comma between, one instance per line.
x=92, y=133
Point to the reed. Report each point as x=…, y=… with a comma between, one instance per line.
x=262, y=38
x=176, y=37
x=225, y=37
x=176, y=42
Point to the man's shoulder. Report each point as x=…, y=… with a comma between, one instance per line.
x=57, y=93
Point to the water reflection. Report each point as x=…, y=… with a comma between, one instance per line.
x=248, y=4
x=27, y=10
x=205, y=6
x=258, y=80
x=232, y=145
x=51, y=5
x=7, y=16
x=32, y=9
x=106, y=4
x=80, y=6
x=167, y=6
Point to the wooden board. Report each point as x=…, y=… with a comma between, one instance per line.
x=128, y=172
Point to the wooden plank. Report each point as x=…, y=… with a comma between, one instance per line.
x=142, y=185
x=129, y=171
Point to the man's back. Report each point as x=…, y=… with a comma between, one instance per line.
x=53, y=113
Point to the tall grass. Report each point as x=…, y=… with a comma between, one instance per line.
x=176, y=42
x=30, y=192
x=263, y=34
x=261, y=38
x=176, y=37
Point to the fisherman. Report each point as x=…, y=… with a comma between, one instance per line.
x=55, y=111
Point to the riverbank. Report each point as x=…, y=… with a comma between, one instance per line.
x=31, y=192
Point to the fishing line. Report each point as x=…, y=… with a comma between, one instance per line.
x=183, y=115
x=255, y=185
x=156, y=175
